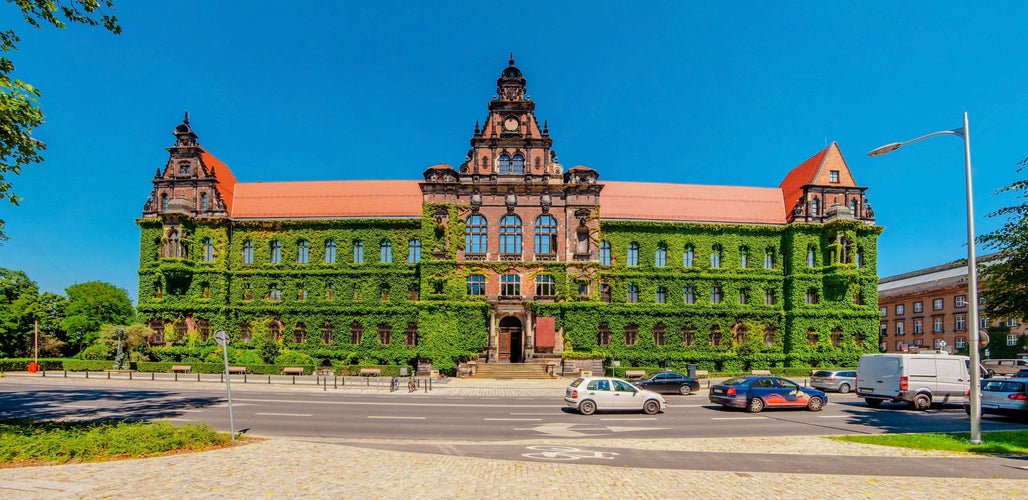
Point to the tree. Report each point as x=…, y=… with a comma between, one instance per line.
x=19, y=101
x=91, y=305
x=1005, y=279
x=18, y=306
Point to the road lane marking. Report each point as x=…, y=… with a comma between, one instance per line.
x=286, y=414
x=235, y=402
x=511, y=419
x=738, y=418
x=834, y=416
x=549, y=413
x=395, y=418
x=632, y=419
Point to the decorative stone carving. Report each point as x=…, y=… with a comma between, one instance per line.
x=511, y=200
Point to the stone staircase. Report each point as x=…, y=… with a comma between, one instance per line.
x=512, y=371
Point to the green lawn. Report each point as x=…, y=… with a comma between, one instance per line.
x=29, y=442
x=1006, y=443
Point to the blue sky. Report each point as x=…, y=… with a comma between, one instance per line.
x=734, y=93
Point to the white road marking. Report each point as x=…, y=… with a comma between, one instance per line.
x=382, y=403
x=738, y=418
x=533, y=414
x=834, y=416
x=511, y=419
x=286, y=414
x=395, y=418
x=631, y=419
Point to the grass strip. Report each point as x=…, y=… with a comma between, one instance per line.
x=1003, y=443
x=30, y=442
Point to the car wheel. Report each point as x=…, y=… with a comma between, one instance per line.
x=755, y=405
x=921, y=402
x=844, y=388
x=651, y=407
x=815, y=403
x=684, y=390
x=587, y=407
x=873, y=403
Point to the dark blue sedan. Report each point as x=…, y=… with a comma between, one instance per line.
x=758, y=392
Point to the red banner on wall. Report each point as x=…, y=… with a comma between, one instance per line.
x=545, y=332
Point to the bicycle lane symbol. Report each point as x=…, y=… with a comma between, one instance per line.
x=566, y=453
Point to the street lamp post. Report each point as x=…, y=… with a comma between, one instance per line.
x=972, y=271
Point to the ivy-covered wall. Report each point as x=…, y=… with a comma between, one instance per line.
x=790, y=312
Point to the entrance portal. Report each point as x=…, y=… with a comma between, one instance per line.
x=509, y=340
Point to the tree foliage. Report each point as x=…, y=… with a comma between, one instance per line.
x=18, y=297
x=91, y=305
x=1006, y=278
x=19, y=101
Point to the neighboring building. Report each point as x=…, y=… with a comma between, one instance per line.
x=928, y=309
x=512, y=258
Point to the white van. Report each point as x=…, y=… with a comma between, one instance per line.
x=918, y=379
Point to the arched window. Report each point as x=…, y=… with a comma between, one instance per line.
x=517, y=164
x=330, y=252
x=815, y=207
x=510, y=234
x=604, y=253
x=510, y=285
x=660, y=256
x=740, y=333
x=164, y=202
x=769, y=336
x=688, y=256
x=476, y=235
x=204, y=327
x=208, y=250
x=661, y=295
x=715, y=335
x=276, y=252
x=633, y=254
x=631, y=334
x=836, y=337
x=326, y=333
x=688, y=336
x=603, y=334
x=275, y=330
x=811, y=255
x=303, y=252
x=658, y=334
x=633, y=294
x=385, y=250
x=410, y=335
x=385, y=334
x=476, y=285
x=504, y=164
x=300, y=334
x=414, y=252
x=245, y=335
x=853, y=207
x=844, y=251
x=356, y=332
x=545, y=234
x=811, y=337
x=358, y=252
x=247, y=252
x=203, y=201
x=173, y=245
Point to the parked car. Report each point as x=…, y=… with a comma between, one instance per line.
x=669, y=383
x=834, y=380
x=1004, y=367
x=758, y=392
x=1003, y=396
x=591, y=394
x=920, y=379
x=1021, y=374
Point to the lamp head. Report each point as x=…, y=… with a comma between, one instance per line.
x=886, y=149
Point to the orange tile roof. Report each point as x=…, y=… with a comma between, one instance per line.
x=280, y=200
x=691, y=202
x=226, y=181
x=803, y=174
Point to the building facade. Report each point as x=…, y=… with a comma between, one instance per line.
x=511, y=257
x=928, y=309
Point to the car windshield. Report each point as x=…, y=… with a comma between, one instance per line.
x=822, y=373
x=1003, y=386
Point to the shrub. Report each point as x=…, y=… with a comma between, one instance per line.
x=294, y=358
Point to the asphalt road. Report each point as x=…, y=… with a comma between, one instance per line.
x=420, y=416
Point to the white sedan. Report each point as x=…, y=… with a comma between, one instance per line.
x=589, y=394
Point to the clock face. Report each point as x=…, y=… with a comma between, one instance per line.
x=511, y=124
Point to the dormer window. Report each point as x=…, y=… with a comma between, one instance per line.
x=833, y=176
x=183, y=170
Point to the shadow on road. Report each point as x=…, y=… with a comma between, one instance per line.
x=93, y=404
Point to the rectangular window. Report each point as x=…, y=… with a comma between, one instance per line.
x=545, y=286
x=899, y=345
x=743, y=260
x=960, y=323
x=899, y=329
x=918, y=326
x=884, y=311
x=937, y=325
x=633, y=294
x=1011, y=340
x=936, y=304
x=1011, y=322
x=633, y=255
x=769, y=297
x=687, y=258
x=690, y=297
x=983, y=322
x=604, y=254
x=960, y=301
x=769, y=261
x=583, y=289
x=961, y=342
x=605, y=292
x=918, y=306
x=919, y=342
x=510, y=285
x=715, y=295
x=476, y=285
x=661, y=295
x=883, y=329
x=900, y=309
x=833, y=176
x=631, y=334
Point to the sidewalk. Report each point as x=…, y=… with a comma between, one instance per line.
x=337, y=468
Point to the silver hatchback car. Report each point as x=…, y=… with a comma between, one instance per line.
x=1003, y=396
x=834, y=380
x=591, y=394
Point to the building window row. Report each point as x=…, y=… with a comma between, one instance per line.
x=303, y=252
x=660, y=256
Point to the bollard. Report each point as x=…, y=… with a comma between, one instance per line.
x=65, y=373
x=197, y=376
x=269, y=379
x=176, y=376
x=244, y=377
x=130, y=375
x=427, y=384
x=324, y=386
x=367, y=381
x=335, y=382
x=44, y=373
x=221, y=378
x=152, y=376
x=294, y=379
x=108, y=375
x=87, y=373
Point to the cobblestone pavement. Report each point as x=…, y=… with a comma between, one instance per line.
x=293, y=468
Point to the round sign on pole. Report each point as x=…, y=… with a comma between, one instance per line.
x=221, y=337
x=983, y=338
